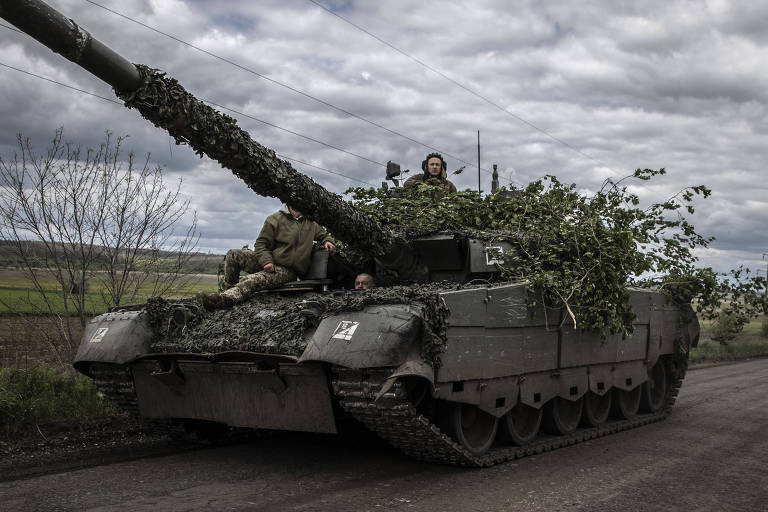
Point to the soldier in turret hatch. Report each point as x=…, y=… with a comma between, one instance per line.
x=364, y=282
x=434, y=167
x=281, y=253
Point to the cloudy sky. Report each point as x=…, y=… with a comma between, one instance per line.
x=582, y=90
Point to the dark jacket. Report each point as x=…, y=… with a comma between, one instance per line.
x=287, y=242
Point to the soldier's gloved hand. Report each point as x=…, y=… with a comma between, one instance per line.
x=330, y=247
x=269, y=267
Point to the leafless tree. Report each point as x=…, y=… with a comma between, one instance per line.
x=91, y=218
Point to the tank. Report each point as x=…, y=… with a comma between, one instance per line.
x=445, y=370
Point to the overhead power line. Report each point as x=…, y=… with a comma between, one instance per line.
x=326, y=170
x=11, y=28
x=458, y=84
x=307, y=137
x=62, y=84
x=282, y=84
x=72, y=87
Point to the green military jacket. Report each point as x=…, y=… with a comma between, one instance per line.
x=420, y=179
x=287, y=242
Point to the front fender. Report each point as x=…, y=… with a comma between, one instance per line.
x=374, y=337
x=113, y=338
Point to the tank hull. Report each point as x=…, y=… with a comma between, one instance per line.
x=499, y=354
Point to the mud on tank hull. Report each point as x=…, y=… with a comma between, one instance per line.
x=509, y=382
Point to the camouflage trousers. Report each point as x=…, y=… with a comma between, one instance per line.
x=236, y=261
x=261, y=280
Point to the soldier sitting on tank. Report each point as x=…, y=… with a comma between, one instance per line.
x=281, y=253
x=434, y=167
x=364, y=282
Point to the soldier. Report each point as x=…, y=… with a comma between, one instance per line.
x=364, y=282
x=434, y=167
x=281, y=253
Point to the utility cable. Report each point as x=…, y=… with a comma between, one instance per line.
x=459, y=84
x=326, y=170
x=121, y=104
x=281, y=84
x=62, y=84
x=11, y=28
x=307, y=137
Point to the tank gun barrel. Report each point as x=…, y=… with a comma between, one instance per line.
x=65, y=37
x=164, y=102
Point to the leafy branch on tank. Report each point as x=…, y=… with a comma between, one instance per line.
x=579, y=252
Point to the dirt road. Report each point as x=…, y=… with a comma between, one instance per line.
x=710, y=454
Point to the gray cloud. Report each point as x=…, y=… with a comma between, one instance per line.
x=668, y=84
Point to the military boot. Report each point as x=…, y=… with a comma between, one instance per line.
x=213, y=300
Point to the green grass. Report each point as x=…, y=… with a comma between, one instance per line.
x=18, y=292
x=751, y=342
x=32, y=302
x=712, y=352
x=30, y=397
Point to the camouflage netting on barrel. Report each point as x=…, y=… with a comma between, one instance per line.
x=276, y=324
x=164, y=102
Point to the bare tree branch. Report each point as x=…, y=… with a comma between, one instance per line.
x=92, y=217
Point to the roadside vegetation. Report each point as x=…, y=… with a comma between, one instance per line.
x=751, y=341
x=42, y=395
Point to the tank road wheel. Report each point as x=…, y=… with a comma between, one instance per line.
x=596, y=409
x=654, y=389
x=627, y=403
x=520, y=425
x=472, y=428
x=562, y=416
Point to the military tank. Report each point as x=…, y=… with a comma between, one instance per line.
x=445, y=370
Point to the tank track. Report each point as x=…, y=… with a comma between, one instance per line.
x=396, y=420
x=115, y=382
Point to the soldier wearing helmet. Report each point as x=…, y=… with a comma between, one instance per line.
x=434, y=167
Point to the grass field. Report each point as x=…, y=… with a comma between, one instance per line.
x=17, y=293
x=749, y=343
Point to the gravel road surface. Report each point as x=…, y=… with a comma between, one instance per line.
x=710, y=454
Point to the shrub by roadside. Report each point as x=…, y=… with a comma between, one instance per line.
x=41, y=394
x=750, y=341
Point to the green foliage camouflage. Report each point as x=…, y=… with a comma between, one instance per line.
x=578, y=252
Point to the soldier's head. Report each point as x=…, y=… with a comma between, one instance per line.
x=434, y=166
x=364, y=282
x=294, y=212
